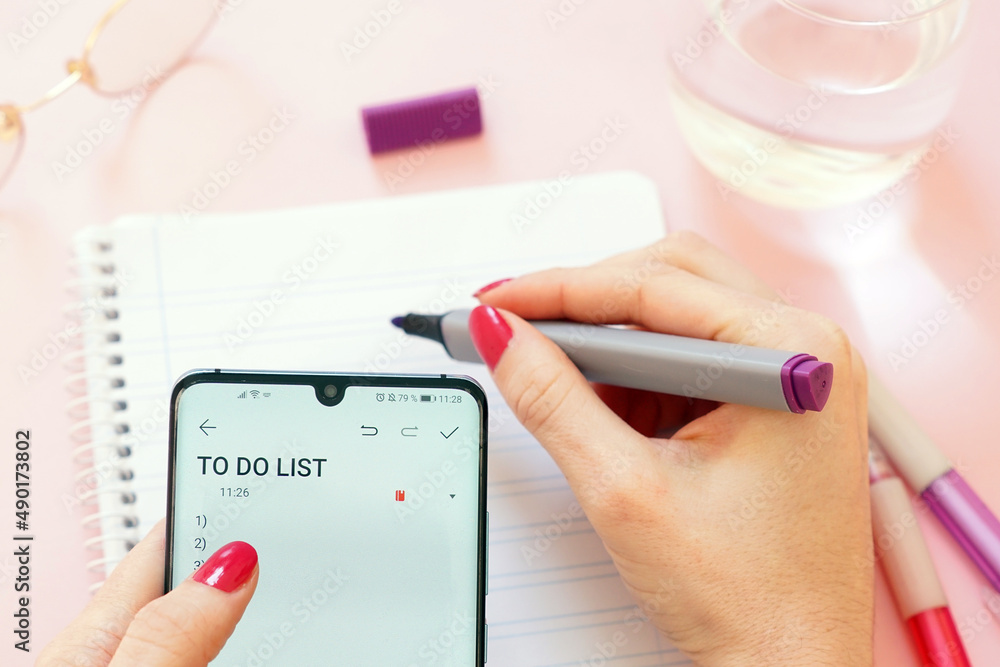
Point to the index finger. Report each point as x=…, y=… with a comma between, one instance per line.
x=652, y=295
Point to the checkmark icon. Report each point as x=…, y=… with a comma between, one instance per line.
x=446, y=436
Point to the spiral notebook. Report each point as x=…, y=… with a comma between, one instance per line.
x=313, y=289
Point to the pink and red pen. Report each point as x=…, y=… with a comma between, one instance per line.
x=900, y=547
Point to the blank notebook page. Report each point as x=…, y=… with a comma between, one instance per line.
x=314, y=289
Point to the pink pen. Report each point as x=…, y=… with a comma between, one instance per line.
x=900, y=547
x=928, y=472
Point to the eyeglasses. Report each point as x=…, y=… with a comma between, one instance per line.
x=133, y=47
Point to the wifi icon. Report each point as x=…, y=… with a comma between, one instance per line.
x=254, y=393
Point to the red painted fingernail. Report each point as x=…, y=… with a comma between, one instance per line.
x=490, y=333
x=492, y=286
x=228, y=568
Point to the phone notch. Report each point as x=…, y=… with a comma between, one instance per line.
x=330, y=390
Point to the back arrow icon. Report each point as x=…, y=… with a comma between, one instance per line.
x=374, y=431
x=203, y=427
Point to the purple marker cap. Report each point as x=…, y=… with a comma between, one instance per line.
x=806, y=383
x=428, y=119
x=968, y=520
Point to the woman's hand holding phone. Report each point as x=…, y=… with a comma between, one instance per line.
x=744, y=535
x=131, y=622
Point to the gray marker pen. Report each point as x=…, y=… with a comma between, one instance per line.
x=692, y=367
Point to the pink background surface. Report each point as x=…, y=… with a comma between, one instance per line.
x=555, y=88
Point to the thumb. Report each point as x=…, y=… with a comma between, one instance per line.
x=190, y=624
x=599, y=453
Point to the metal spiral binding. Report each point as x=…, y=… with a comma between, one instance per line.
x=98, y=411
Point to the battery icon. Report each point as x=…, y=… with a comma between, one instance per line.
x=426, y=398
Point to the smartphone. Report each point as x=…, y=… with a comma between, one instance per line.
x=365, y=498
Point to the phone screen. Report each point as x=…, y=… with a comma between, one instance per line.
x=367, y=510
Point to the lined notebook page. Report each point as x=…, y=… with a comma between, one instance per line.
x=314, y=289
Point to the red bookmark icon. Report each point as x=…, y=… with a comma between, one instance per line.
x=400, y=495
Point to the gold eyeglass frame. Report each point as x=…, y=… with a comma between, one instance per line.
x=11, y=123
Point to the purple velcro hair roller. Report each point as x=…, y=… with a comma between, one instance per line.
x=428, y=119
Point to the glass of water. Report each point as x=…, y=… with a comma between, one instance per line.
x=814, y=103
